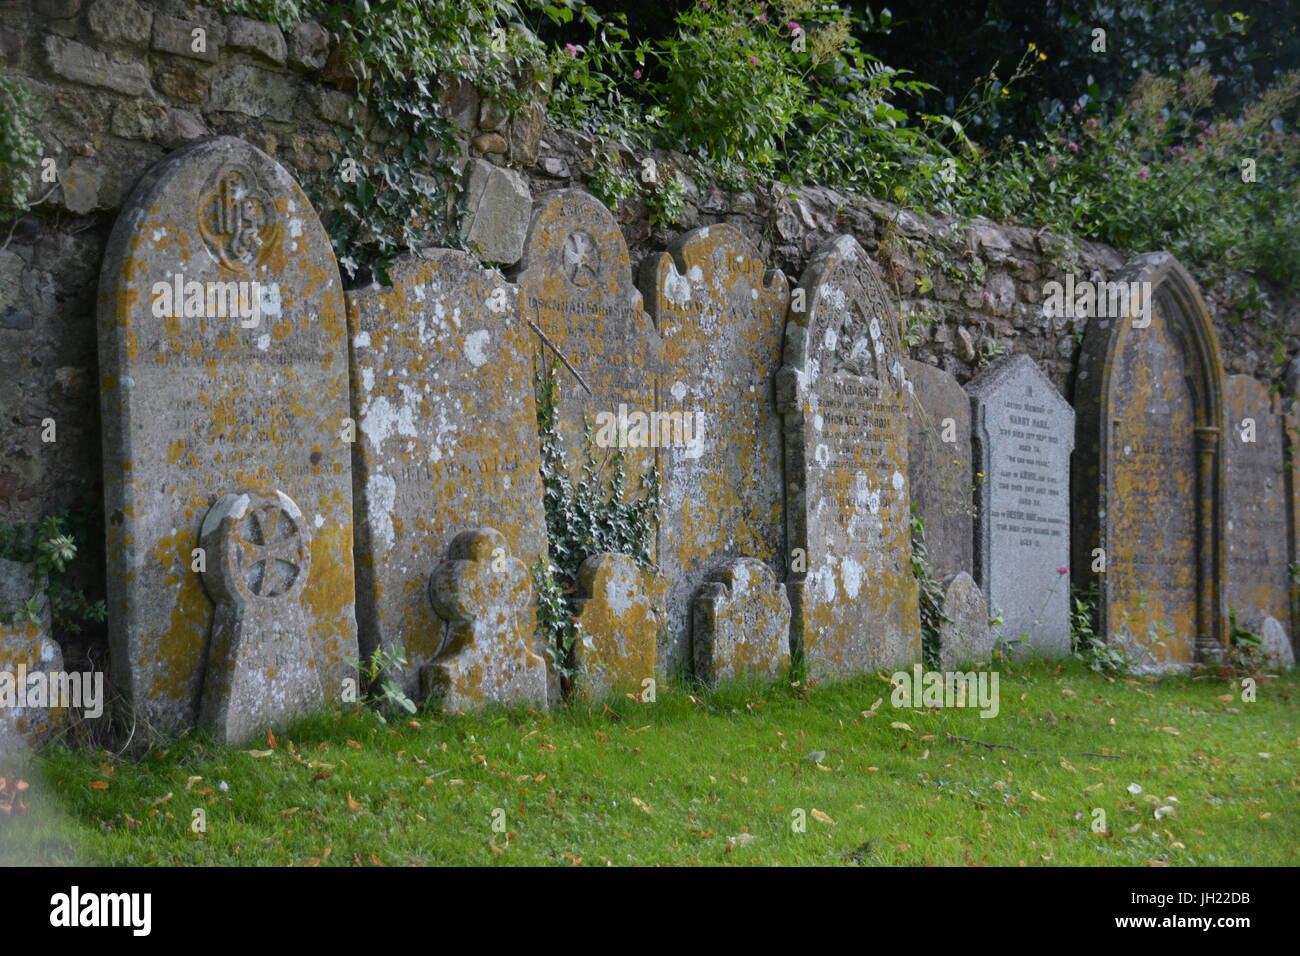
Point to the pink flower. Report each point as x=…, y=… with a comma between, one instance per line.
x=1074, y=147
x=1062, y=570
x=1189, y=158
x=762, y=18
x=570, y=49
x=1178, y=151
x=1144, y=174
x=1092, y=124
x=753, y=60
x=1077, y=107
x=794, y=28
x=637, y=74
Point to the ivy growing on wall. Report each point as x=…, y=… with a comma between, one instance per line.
x=20, y=149
x=933, y=617
x=49, y=545
x=590, y=516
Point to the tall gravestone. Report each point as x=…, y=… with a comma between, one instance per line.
x=223, y=362
x=576, y=291
x=1023, y=433
x=1148, y=471
x=721, y=314
x=577, y=296
x=447, y=442
x=939, y=466
x=1255, y=528
x=1293, y=511
x=841, y=392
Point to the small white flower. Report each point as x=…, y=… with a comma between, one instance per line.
x=1133, y=788
x=223, y=786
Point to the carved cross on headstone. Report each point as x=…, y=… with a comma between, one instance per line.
x=257, y=549
x=484, y=594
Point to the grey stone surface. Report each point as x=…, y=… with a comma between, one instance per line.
x=254, y=36
x=254, y=92
x=309, y=45
x=174, y=35
x=741, y=623
x=484, y=594
x=1276, y=644
x=198, y=406
x=966, y=637
x=120, y=21
x=939, y=466
x=721, y=313
x=1023, y=434
x=499, y=207
x=82, y=64
x=841, y=391
x=260, y=669
x=447, y=440
x=1255, y=524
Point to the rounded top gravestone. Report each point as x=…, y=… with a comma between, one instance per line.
x=223, y=359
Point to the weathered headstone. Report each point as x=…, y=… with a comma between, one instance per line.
x=1255, y=528
x=1023, y=432
x=939, y=466
x=260, y=662
x=1275, y=645
x=1292, y=423
x=841, y=392
x=965, y=638
x=741, y=623
x=485, y=594
x=721, y=314
x=1148, y=472
x=576, y=289
x=447, y=441
x=620, y=609
x=223, y=361
x=26, y=648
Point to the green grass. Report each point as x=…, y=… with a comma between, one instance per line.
x=708, y=778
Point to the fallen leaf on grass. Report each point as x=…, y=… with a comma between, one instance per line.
x=99, y=785
x=352, y=804
x=642, y=804
x=899, y=725
x=822, y=817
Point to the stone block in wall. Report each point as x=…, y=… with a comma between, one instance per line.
x=253, y=92
x=309, y=46
x=82, y=64
x=120, y=21
x=173, y=35
x=500, y=205
x=254, y=36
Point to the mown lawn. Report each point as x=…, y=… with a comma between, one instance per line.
x=709, y=778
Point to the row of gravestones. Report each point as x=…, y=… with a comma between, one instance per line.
x=242, y=441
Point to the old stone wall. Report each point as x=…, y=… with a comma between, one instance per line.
x=121, y=85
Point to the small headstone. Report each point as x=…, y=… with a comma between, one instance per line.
x=1148, y=472
x=741, y=623
x=1276, y=645
x=721, y=314
x=841, y=391
x=1023, y=433
x=263, y=659
x=576, y=289
x=223, y=363
x=965, y=638
x=485, y=594
x=939, y=466
x=1255, y=530
x=447, y=440
x=26, y=648
x=620, y=609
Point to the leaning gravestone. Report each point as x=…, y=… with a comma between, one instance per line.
x=576, y=291
x=721, y=314
x=841, y=391
x=965, y=637
x=1255, y=530
x=620, y=609
x=1148, y=472
x=447, y=441
x=223, y=361
x=1275, y=645
x=1023, y=432
x=939, y=466
x=741, y=623
x=485, y=594
x=26, y=648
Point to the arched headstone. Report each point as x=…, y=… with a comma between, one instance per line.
x=1148, y=476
